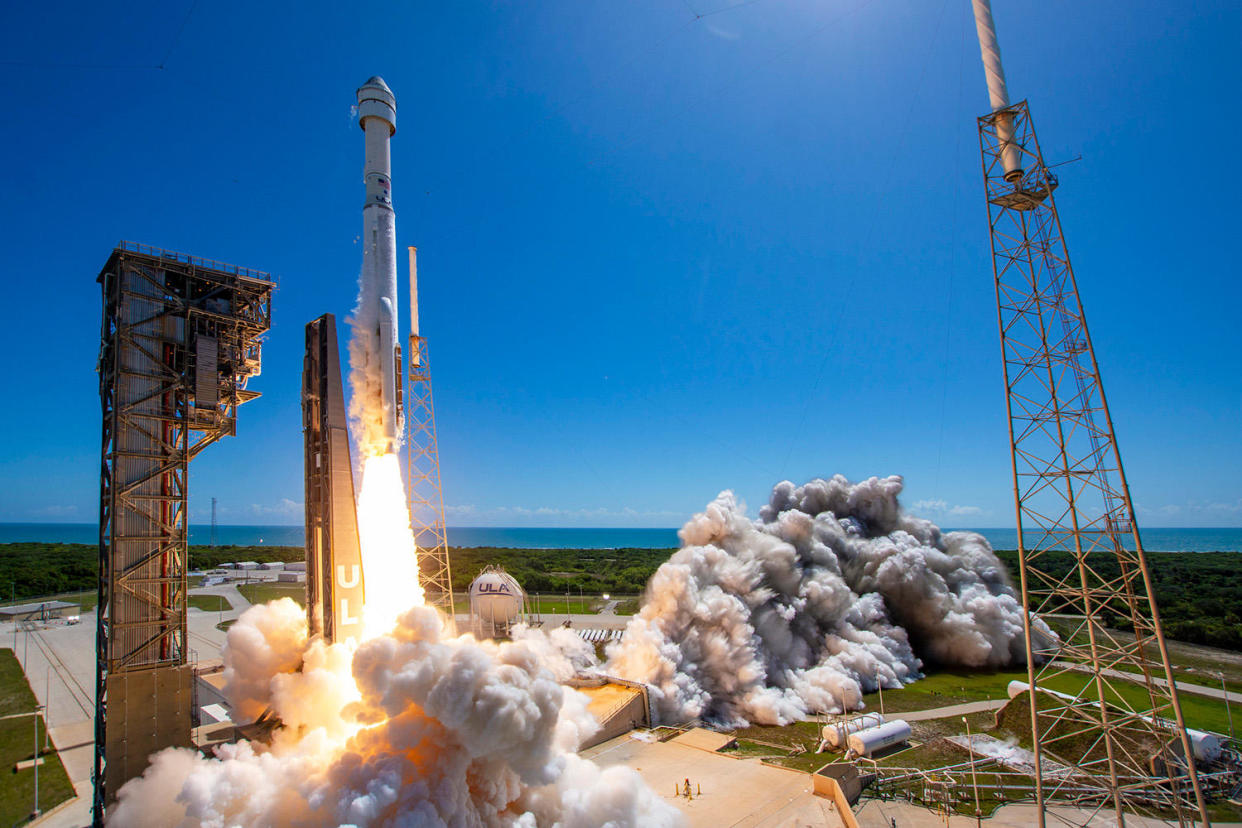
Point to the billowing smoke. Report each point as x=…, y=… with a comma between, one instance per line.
x=411, y=728
x=832, y=591
x=366, y=366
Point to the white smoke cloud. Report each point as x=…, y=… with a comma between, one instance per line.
x=366, y=374
x=408, y=729
x=832, y=591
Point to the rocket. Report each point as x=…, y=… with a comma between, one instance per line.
x=377, y=115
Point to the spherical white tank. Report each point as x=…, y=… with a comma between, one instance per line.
x=496, y=598
x=866, y=742
x=835, y=734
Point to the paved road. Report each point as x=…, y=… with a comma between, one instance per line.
x=950, y=710
x=59, y=662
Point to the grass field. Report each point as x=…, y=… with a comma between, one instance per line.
x=17, y=741
x=86, y=599
x=946, y=687
x=261, y=593
x=209, y=603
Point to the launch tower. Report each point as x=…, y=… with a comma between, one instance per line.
x=426, y=498
x=179, y=341
x=1080, y=552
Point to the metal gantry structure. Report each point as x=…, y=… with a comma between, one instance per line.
x=1120, y=729
x=180, y=338
x=426, y=499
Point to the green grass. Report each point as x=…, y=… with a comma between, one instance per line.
x=553, y=605
x=628, y=606
x=792, y=746
x=946, y=687
x=209, y=603
x=17, y=743
x=262, y=592
x=86, y=599
x=949, y=687
x=1200, y=712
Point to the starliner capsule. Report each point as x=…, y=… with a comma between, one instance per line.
x=377, y=115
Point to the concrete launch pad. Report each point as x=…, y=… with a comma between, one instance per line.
x=735, y=792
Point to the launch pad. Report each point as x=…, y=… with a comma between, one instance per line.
x=180, y=339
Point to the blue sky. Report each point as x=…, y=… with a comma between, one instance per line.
x=661, y=254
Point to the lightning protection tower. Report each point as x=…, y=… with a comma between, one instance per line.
x=179, y=341
x=426, y=499
x=1117, y=739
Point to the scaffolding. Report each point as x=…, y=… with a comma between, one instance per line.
x=1081, y=558
x=426, y=499
x=180, y=338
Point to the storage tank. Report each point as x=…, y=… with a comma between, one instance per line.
x=496, y=601
x=867, y=742
x=835, y=734
x=1205, y=746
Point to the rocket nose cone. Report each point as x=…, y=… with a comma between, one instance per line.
x=378, y=83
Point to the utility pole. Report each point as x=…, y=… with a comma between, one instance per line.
x=974, y=780
x=36, y=760
x=1228, y=712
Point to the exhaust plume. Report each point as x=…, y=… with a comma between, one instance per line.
x=831, y=592
x=410, y=728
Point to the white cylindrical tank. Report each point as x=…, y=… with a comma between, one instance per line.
x=496, y=597
x=1205, y=746
x=867, y=742
x=836, y=733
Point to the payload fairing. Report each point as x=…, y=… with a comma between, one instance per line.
x=377, y=115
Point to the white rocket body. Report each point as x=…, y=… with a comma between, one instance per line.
x=377, y=115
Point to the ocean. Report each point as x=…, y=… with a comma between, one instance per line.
x=1154, y=539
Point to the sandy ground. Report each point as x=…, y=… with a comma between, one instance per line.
x=735, y=792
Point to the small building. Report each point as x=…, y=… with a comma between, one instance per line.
x=42, y=611
x=291, y=577
x=248, y=565
x=295, y=566
x=272, y=565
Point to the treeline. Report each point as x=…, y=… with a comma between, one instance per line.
x=1199, y=594
x=32, y=570
x=592, y=571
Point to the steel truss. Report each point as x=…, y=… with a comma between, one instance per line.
x=180, y=338
x=426, y=498
x=1081, y=557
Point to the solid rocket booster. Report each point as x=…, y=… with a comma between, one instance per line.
x=377, y=115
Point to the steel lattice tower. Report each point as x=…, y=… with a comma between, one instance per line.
x=180, y=338
x=1081, y=557
x=426, y=499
